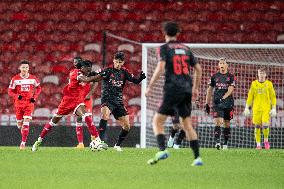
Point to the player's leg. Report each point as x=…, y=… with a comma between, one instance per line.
x=228, y=115
x=105, y=113
x=25, y=131
x=47, y=127
x=158, y=128
x=184, y=110
x=256, y=119
x=174, y=130
x=79, y=124
x=226, y=133
x=167, y=108
x=120, y=113
x=193, y=139
x=80, y=110
x=27, y=115
x=66, y=106
x=19, y=117
x=218, y=115
x=265, y=129
x=79, y=132
x=180, y=137
x=125, y=127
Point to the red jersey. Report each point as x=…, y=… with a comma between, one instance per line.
x=75, y=88
x=87, y=89
x=28, y=87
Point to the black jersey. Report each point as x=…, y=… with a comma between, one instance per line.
x=178, y=58
x=113, y=83
x=220, y=83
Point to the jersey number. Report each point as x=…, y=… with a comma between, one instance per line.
x=180, y=64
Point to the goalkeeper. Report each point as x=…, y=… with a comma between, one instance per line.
x=261, y=97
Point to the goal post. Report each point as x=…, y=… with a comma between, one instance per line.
x=243, y=59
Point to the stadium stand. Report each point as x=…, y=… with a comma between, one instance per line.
x=42, y=33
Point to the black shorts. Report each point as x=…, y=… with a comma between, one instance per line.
x=225, y=113
x=117, y=109
x=176, y=103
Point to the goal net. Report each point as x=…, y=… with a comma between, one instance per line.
x=243, y=59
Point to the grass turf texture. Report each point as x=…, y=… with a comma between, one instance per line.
x=71, y=168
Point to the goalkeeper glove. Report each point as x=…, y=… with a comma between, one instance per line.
x=247, y=112
x=273, y=112
x=207, y=108
x=142, y=76
x=20, y=97
x=32, y=100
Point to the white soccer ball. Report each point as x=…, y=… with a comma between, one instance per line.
x=96, y=146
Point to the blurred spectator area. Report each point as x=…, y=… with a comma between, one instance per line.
x=51, y=33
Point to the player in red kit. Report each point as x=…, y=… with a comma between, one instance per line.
x=73, y=101
x=89, y=90
x=24, y=88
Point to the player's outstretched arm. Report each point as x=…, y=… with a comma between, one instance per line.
x=87, y=79
x=131, y=78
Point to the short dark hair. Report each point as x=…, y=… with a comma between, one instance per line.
x=171, y=28
x=24, y=62
x=86, y=63
x=119, y=56
x=262, y=69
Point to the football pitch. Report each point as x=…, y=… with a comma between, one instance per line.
x=70, y=168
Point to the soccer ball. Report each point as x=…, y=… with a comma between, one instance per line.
x=96, y=146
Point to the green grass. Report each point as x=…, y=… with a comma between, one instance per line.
x=70, y=168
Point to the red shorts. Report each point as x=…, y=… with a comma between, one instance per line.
x=89, y=105
x=24, y=111
x=68, y=105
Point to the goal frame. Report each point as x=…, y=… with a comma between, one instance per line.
x=192, y=45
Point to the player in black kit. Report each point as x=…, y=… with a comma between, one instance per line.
x=223, y=103
x=114, y=79
x=175, y=60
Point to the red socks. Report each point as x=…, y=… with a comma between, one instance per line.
x=25, y=131
x=79, y=132
x=91, y=127
x=46, y=129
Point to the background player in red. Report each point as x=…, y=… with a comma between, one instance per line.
x=24, y=88
x=73, y=101
x=89, y=90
